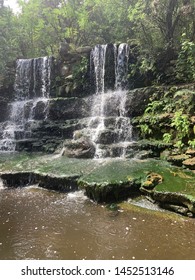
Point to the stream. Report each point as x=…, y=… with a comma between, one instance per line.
x=40, y=224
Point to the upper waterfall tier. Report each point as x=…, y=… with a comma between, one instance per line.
x=109, y=67
x=32, y=78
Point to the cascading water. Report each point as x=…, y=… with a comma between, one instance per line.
x=98, y=56
x=32, y=89
x=109, y=124
x=121, y=66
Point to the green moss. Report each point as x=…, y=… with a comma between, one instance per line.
x=105, y=180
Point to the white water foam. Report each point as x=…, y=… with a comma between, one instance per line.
x=1, y=185
x=32, y=87
x=110, y=104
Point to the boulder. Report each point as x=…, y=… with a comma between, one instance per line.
x=80, y=148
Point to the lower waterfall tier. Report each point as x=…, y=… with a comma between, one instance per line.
x=45, y=124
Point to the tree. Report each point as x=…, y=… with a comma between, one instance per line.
x=9, y=44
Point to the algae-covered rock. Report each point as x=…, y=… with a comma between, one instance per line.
x=176, y=194
x=105, y=180
x=49, y=181
x=152, y=180
x=110, y=192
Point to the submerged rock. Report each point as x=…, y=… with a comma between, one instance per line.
x=179, y=198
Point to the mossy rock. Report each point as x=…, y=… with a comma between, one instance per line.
x=152, y=180
x=110, y=192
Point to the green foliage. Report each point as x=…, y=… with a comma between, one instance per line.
x=154, y=106
x=153, y=25
x=167, y=137
x=181, y=123
x=80, y=71
x=185, y=67
x=168, y=118
x=145, y=129
x=9, y=41
x=191, y=143
x=179, y=144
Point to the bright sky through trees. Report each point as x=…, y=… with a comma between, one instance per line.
x=12, y=4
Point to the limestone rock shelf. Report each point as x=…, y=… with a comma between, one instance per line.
x=105, y=180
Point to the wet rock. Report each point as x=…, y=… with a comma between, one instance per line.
x=3, y=110
x=178, y=209
x=110, y=192
x=64, y=48
x=68, y=108
x=59, y=183
x=144, y=154
x=17, y=179
x=49, y=181
x=176, y=199
x=156, y=147
x=39, y=110
x=167, y=198
x=80, y=148
x=189, y=163
x=107, y=137
x=109, y=68
x=138, y=100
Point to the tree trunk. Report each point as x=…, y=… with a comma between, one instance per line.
x=170, y=23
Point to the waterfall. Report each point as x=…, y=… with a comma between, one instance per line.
x=98, y=55
x=121, y=66
x=109, y=126
x=31, y=89
x=32, y=78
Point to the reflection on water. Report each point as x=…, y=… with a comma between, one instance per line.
x=40, y=224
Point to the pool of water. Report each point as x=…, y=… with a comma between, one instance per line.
x=39, y=224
